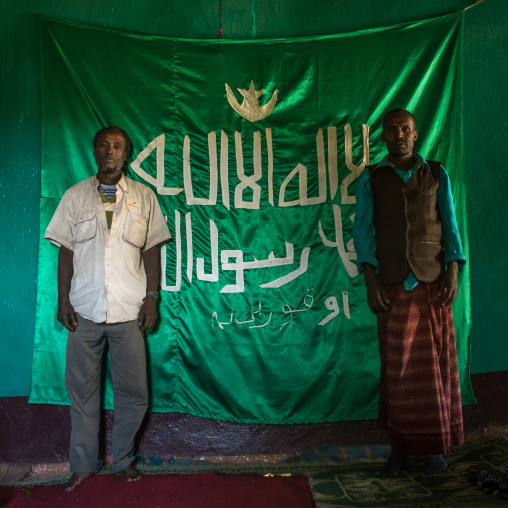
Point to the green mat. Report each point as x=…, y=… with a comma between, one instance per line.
x=359, y=483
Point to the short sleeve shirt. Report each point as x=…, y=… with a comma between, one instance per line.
x=109, y=280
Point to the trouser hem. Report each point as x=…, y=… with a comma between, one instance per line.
x=85, y=466
x=122, y=464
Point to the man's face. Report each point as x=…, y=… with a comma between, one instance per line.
x=110, y=153
x=399, y=134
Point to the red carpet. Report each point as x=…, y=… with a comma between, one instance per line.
x=183, y=491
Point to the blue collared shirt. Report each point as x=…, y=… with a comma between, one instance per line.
x=363, y=231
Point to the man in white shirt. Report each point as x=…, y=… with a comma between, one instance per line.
x=109, y=230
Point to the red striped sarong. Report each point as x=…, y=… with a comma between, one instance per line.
x=419, y=395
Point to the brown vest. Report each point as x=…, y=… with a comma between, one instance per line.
x=407, y=224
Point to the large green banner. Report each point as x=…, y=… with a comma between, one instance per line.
x=253, y=149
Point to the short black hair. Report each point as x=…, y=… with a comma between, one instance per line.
x=128, y=141
x=398, y=111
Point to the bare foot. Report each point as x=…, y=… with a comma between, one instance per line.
x=397, y=461
x=129, y=474
x=435, y=464
x=75, y=480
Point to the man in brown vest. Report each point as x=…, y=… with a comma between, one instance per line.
x=409, y=249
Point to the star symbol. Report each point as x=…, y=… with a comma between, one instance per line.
x=251, y=95
x=250, y=109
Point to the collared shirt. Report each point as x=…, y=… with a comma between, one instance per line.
x=109, y=280
x=363, y=231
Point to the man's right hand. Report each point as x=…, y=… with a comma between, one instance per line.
x=67, y=316
x=376, y=294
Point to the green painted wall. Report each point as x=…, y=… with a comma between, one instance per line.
x=485, y=132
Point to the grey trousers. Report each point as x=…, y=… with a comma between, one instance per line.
x=85, y=349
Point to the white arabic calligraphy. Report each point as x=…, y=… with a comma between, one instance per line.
x=346, y=257
x=239, y=265
x=308, y=302
x=218, y=166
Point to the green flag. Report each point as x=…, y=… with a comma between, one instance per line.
x=253, y=149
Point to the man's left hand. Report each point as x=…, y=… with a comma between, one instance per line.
x=148, y=314
x=449, y=285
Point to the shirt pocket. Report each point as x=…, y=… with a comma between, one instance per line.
x=135, y=229
x=85, y=227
